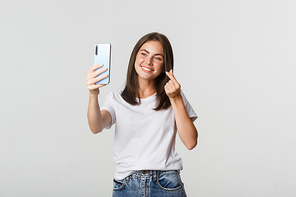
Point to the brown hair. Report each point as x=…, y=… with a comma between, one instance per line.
x=131, y=90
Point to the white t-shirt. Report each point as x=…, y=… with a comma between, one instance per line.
x=144, y=138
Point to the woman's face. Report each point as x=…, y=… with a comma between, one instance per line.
x=149, y=60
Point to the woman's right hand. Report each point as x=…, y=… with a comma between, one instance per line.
x=91, y=78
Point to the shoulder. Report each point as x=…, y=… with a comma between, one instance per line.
x=185, y=100
x=114, y=94
x=188, y=107
x=183, y=96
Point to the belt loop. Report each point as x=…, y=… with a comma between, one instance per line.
x=154, y=174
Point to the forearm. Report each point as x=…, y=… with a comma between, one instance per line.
x=186, y=129
x=94, y=115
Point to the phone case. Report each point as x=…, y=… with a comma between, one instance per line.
x=103, y=56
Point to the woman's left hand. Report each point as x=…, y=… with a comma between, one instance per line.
x=172, y=87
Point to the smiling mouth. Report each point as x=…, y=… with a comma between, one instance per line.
x=145, y=68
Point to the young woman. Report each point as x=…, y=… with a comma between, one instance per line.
x=148, y=113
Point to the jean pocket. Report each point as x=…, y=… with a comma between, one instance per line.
x=118, y=184
x=170, y=180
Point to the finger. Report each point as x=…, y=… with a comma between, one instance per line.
x=93, y=80
x=171, y=76
x=173, y=82
x=99, y=78
x=93, y=87
x=166, y=89
x=93, y=75
x=99, y=71
x=168, y=86
x=168, y=83
x=171, y=86
x=95, y=67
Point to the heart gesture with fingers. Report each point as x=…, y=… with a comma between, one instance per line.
x=172, y=87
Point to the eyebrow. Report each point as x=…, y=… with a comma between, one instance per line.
x=149, y=53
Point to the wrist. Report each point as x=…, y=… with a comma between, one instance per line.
x=176, y=98
x=93, y=95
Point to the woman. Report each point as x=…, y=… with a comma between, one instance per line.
x=148, y=113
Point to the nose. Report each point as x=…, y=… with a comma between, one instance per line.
x=148, y=60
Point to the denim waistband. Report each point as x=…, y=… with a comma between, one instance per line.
x=148, y=173
x=141, y=173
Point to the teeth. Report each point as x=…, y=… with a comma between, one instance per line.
x=146, y=69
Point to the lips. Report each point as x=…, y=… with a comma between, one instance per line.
x=146, y=69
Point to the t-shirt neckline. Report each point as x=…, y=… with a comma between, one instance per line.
x=147, y=98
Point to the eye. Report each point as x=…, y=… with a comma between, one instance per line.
x=158, y=58
x=144, y=54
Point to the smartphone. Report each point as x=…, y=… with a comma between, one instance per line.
x=103, y=56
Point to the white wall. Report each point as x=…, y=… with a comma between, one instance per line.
x=235, y=61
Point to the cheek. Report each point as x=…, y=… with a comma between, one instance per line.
x=160, y=66
x=139, y=60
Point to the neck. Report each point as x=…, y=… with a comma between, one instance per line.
x=146, y=88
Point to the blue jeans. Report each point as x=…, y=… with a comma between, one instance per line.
x=150, y=184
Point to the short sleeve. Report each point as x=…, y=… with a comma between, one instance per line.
x=109, y=106
x=191, y=113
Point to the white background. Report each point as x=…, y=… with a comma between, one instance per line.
x=234, y=59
